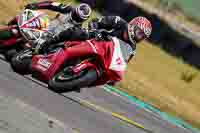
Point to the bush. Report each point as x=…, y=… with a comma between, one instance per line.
x=188, y=76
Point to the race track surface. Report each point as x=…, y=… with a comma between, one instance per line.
x=93, y=110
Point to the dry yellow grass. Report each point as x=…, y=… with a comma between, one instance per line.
x=153, y=76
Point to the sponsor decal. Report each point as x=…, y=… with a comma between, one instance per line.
x=44, y=62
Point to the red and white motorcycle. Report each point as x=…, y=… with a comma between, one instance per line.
x=75, y=64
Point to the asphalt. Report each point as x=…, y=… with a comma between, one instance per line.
x=93, y=110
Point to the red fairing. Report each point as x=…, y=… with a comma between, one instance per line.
x=46, y=66
x=112, y=60
x=105, y=51
x=85, y=64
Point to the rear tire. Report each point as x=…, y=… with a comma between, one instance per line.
x=21, y=63
x=72, y=82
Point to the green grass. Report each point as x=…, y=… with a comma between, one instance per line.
x=185, y=9
x=152, y=76
x=189, y=7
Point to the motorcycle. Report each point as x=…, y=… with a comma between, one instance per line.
x=71, y=75
x=30, y=26
x=63, y=75
x=20, y=63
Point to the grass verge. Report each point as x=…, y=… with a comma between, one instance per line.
x=157, y=78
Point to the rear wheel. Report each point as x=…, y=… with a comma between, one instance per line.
x=66, y=80
x=21, y=62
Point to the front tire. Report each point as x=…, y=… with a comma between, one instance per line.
x=21, y=62
x=10, y=54
x=66, y=81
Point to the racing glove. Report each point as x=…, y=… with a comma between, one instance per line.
x=96, y=35
x=100, y=35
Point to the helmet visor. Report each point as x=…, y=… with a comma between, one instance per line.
x=135, y=34
x=139, y=34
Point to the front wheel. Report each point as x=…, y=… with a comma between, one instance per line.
x=10, y=54
x=21, y=62
x=66, y=80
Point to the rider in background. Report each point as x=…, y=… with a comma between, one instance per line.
x=67, y=17
x=123, y=36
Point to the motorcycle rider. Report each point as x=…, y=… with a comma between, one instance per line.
x=123, y=36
